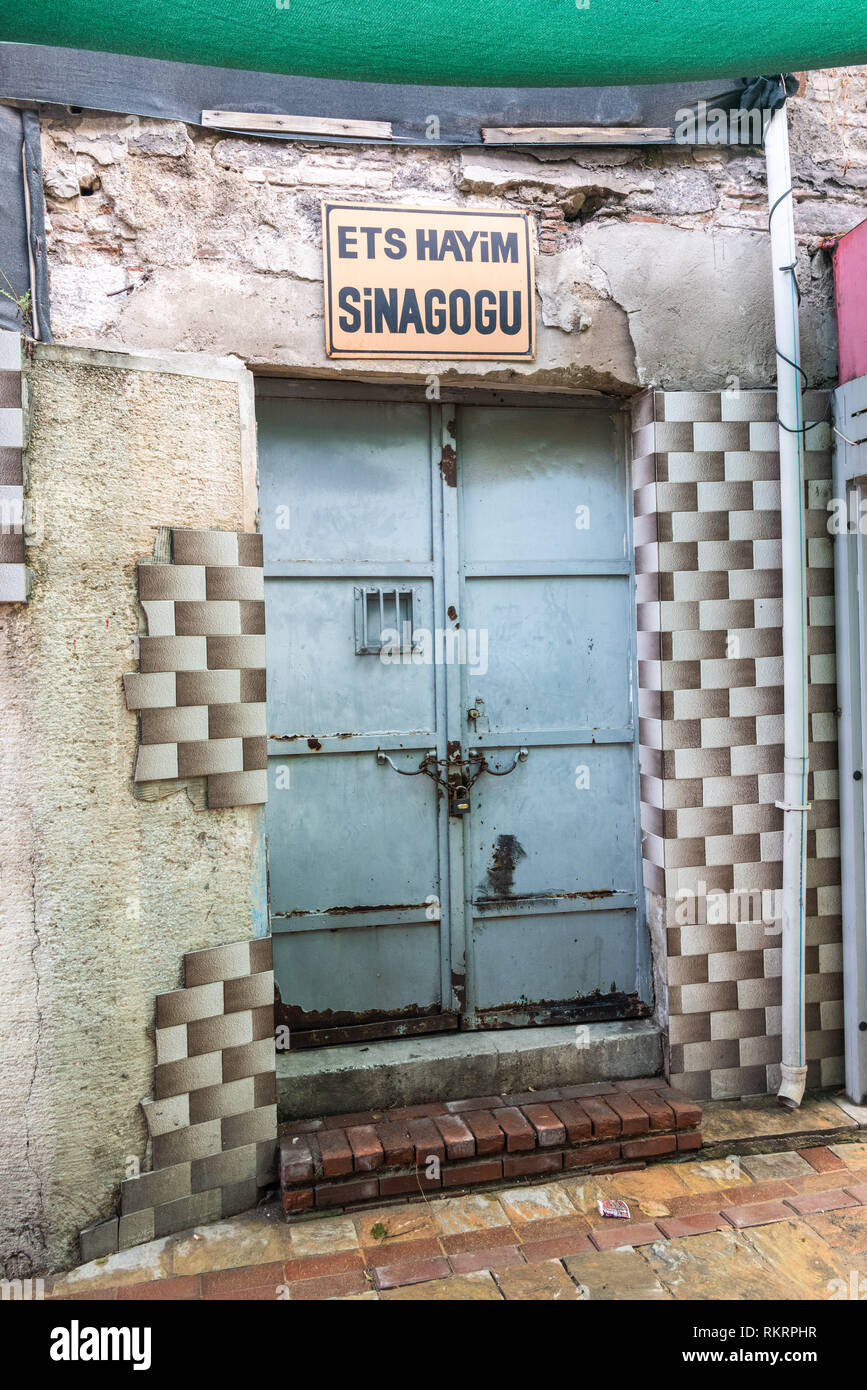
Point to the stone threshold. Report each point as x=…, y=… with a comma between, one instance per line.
x=415, y=1071
x=339, y=1161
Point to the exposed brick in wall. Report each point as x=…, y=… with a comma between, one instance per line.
x=200, y=691
x=13, y=572
x=213, y=1116
x=707, y=528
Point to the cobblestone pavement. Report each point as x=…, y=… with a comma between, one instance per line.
x=777, y=1225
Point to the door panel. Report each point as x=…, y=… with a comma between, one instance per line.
x=562, y=826
x=389, y=914
x=323, y=687
x=395, y=976
x=534, y=833
x=356, y=864
x=555, y=651
x=357, y=838
x=575, y=949
x=342, y=472
x=524, y=472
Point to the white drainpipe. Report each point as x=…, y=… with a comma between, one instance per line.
x=797, y=746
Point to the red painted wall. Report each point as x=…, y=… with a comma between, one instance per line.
x=850, y=290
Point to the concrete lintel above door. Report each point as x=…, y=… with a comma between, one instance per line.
x=413, y=1071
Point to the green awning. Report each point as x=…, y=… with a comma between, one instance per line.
x=541, y=43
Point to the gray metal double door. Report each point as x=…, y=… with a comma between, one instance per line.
x=452, y=820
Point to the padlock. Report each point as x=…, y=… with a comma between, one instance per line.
x=459, y=800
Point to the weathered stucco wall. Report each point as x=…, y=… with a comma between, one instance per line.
x=101, y=892
x=653, y=264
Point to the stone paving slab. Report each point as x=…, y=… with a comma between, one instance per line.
x=762, y=1117
x=794, y=1227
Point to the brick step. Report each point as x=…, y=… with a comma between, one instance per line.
x=340, y=1160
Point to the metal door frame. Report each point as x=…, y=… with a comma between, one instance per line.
x=449, y=692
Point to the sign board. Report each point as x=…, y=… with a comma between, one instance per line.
x=428, y=283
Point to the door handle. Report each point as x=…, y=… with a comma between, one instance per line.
x=407, y=772
x=521, y=756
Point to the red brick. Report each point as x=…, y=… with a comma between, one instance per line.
x=358, y=1117
x=260, y=1293
x=699, y=1203
x=224, y=1281
x=769, y=1191
x=550, y=1130
x=296, y=1160
x=409, y=1183
x=366, y=1148
x=589, y=1088
x=319, y=1266
x=297, y=1198
x=333, y=1286
x=688, y=1139
x=821, y=1159
x=660, y=1114
x=486, y=1170
x=337, y=1194
x=553, y=1228
x=415, y=1112
x=757, y=1214
x=411, y=1272
x=520, y=1134
x=427, y=1140
x=478, y=1240
x=500, y=1257
x=458, y=1138
x=633, y=1119
x=475, y=1103
x=673, y=1227
x=828, y=1200
x=687, y=1111
x=648, y=1145
x=397, y=1146
x=300, y=1127
x=557, y=1248
x=591, y=1155
x=336, y=1153
x=183, y=1287
x=617, y=1233
x=522, y=1164
x=576, y=1120
x=858, y=1191
x=395, y=1252
x=489, y=1138
x=523, y=1098
x=606, y=1123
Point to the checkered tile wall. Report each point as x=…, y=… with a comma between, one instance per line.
x=13, y=572
x=213, y=1116
x=200, y=688
x=708, y=557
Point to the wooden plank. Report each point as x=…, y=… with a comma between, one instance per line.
x=297, y=125
x=575, y=135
